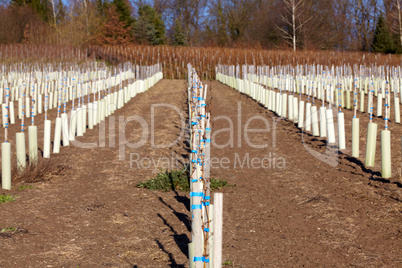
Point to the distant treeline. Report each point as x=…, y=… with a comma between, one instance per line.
x=343, y=25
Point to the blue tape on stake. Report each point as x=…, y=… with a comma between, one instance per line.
x=207, y=197
x=206, y=260
x=194, y=180
x=194, y=151
x=196, y=206
x=206, y=229
x=203, y=105
x=205, y=204
x=199, y=259
x=208, y=128
x=200, y=194
x=194, y=161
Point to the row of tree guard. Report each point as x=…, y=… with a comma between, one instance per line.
x=93, y=93
x=280, y=89
x=205, y=248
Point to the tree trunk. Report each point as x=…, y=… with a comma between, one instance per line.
x=294, y=24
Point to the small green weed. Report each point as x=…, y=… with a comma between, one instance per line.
x=177, y=180
x=9, y=232
x=9, y=229
x=227, y=263
x=23, y=187
x=167, y=181
x=217, y=184
x=6, y=198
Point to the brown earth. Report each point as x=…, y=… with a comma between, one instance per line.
x=290, y=210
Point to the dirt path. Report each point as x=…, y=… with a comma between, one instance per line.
x=288, y=209
x=91, y=215
x=298, y=211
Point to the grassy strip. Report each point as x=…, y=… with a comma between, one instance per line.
x=6, y=198
x=171, y=180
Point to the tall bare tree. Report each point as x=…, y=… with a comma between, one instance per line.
x=293, y=20
x=396, y=17
x=364, y=15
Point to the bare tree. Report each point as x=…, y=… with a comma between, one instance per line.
x=293, y=20
x=364, y=15
x=396, y=16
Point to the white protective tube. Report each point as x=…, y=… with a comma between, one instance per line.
x=371, y=144
x=218, y=224
x=90, y=116
x=73, y=125
x=57, y=136
x=379, y=105
x=95, y=113
x=40, y=105
x=12, y=113
x=323, y=122
x=308, y=117
x=397, y=111
x=300, y=121
x=84, y=118
x=64, y=129
x=4, y=114
x=103, y=109
x=46, y=139
x=20, y=146
x=19, y=108
x=295, y=110
x=290, y=107
x=314, y=121
x=330, y=126
x=386, y=154
x=6, y=165
x=33, y=144
x=355, y=137
x=341, y=131
x=80, y=131
x=27, y=107
x=284, y=104
x=278, y=104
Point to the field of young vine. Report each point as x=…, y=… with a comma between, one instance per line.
x=304, y=183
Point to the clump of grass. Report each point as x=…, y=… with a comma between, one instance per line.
x=23, y=187
x=171, y=180
x=8, y=229
x=44, y=169
x=6, y=198
x=227, y=263
x=217, y=184
x=167, y=181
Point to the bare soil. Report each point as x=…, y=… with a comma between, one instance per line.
x=288, y=208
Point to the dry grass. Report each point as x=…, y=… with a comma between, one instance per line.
x=44, y=170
